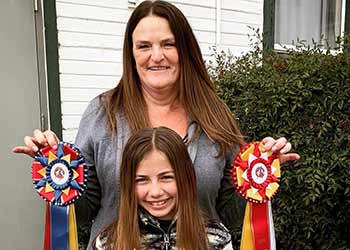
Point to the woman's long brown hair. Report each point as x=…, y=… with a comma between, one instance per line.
x=196, y=92
x=124, y=234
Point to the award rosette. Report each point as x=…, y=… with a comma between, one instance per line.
x=255, y=175
x=60, y=176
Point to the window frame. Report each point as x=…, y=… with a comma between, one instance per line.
x=269, y=25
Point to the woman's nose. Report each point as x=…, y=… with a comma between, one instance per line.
x=157, y=53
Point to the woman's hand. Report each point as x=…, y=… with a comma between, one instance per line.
x=38, y=140
x=282, y=146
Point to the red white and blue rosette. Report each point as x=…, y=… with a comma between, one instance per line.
x=60, y=176
x=255, y=176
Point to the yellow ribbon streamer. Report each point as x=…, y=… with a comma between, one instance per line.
x=73, y=235
x=247, y=241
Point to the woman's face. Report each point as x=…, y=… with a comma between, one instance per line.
x=156, y=186
x=156, y=57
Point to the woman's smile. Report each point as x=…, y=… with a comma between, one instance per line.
x=158, y=68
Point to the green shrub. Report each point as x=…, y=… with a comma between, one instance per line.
x=304, y=96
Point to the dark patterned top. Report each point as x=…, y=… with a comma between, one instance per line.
x=155, y=237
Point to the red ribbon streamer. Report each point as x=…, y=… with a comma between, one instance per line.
x=260, y=225
x=47, y=229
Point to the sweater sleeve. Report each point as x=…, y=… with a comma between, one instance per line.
x=230, y=206
x=88, y=205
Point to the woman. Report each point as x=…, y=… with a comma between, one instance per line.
x=164, y=83
x=159, y=206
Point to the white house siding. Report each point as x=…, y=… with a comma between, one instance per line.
x=90, y=37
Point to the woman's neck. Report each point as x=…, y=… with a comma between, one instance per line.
x=161, y=98
x=165, y=110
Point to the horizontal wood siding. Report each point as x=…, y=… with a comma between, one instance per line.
x=238, y=19
x=90, y=36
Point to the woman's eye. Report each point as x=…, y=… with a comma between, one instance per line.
x=169, y=44
x=142, y=46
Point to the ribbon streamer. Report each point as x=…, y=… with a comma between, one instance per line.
x=60, y=176
x=255, y=175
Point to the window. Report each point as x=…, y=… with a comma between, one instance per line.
x=321, y=21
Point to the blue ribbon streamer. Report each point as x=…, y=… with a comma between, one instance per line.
x=59, y=227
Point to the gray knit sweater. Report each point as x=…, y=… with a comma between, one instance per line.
x=103, y=156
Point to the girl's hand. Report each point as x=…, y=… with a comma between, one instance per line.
x=282, y=146
x=38, y=140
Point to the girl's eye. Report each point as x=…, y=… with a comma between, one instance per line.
x=140, y=180
x=168, y=177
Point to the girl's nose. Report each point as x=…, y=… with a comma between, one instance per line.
x=156, y=190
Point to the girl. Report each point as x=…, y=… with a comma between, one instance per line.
x=158, y=200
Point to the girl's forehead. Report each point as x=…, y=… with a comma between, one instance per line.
x=154, y=163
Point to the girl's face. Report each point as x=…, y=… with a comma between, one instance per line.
x=156, y=57
x=156, y=186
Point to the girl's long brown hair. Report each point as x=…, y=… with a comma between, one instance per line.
x=124, y=234
x=196, y=92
